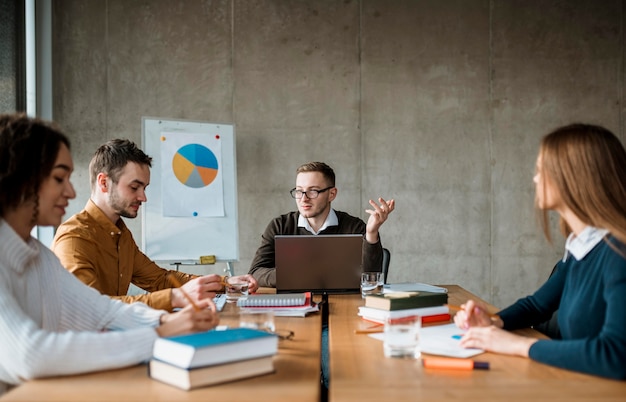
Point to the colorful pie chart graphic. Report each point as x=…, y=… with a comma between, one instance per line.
x=195, y=166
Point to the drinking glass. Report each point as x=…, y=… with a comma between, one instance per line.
x=261, y=320
x=401, y=337
x=371, y=282
x=235, y=290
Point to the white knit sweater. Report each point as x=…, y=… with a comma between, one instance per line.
x=53, y=324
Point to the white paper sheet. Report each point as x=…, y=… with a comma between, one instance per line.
x=191, y=175
x=441, y=340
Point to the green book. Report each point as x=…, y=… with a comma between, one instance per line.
x=405, y=300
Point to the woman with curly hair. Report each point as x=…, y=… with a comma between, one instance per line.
x=52, y=324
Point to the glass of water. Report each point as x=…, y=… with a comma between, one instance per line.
x=401, y=337
x=371, y=282
x=235, y=290
x=261, y=320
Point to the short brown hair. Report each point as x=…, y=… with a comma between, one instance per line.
x=111, y=158
x=321, y=167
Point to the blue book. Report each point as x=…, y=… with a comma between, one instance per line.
x=215, y=347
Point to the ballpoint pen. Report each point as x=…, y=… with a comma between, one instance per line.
x=371, y=330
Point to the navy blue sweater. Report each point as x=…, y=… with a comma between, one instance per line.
x=591, y=298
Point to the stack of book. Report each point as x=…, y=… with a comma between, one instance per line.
x=430, y=306
x=212, y=357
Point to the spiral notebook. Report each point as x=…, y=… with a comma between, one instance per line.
x=286, y=304
x=275, y=300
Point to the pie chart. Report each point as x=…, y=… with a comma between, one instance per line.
x=195, y=166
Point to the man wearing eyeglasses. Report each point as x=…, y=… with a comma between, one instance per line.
x=315, y=190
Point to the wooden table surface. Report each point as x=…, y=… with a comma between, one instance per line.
x=360, y=372
x=296, y=376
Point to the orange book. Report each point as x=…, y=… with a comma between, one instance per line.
x=428, y=314
x=435, y=318
x=425, y=319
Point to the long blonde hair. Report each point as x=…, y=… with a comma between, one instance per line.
x=586, y=164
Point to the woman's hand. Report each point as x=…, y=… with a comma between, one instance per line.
x=484, y=331
x=189, y=320
x=474, y=315
x=497, y=340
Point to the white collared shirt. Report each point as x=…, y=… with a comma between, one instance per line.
x=579, y=246
x=331, y=220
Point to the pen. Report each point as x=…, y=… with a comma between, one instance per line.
x=457, y=308
x=369, y=330
x=454, y=364
x=176, y=283
x=224, y=281
x=376, y=328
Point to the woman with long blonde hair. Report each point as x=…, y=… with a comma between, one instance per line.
x=580, y=174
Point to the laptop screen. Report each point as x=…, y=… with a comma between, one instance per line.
x=319, y=264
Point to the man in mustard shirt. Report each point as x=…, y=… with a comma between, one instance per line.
x=97, y=246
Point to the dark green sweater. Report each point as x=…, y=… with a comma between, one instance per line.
x=590, y=295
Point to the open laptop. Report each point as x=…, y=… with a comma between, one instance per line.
x=320, y=264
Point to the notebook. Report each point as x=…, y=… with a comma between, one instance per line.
x=281, y=305
x=319, y=264
x=270, y=300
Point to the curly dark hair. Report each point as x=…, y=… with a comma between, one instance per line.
x=28, y=150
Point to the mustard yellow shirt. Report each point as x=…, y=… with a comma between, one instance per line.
x=105, y=256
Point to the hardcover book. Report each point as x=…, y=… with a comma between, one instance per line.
x=215, y=347
x=428, y=314
x=209, y=375
x=405, y=300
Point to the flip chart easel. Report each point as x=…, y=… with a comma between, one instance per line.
x=181, y=240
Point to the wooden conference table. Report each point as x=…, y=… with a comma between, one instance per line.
x=358, y=369
x=360, y=372
x=296, y=376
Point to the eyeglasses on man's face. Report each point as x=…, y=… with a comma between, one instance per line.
x=310, y=194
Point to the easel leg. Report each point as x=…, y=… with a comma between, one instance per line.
x=230, y=271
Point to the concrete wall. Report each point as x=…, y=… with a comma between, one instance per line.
x=439, y=104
